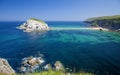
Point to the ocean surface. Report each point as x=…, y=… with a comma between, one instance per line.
x=81, y=50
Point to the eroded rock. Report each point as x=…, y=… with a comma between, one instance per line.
x=59, y=66
x=29, y=64
x=33, y=24
x=5, y=68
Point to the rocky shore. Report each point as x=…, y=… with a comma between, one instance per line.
x=30, y=64
x=5, y=68
x=33, y=24
x=109, y=22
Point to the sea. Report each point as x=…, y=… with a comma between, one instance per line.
x=91, y=51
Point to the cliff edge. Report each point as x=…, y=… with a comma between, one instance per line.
x=5, y=68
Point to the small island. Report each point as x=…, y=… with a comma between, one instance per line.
x=34, y=24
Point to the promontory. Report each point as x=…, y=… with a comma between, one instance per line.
x=34, y=24
x=109, y=22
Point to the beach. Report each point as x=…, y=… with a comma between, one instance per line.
x=79, y=28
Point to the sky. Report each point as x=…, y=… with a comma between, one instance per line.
x=57, y=10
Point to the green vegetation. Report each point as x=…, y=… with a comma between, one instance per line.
x=111, y=22
x=51, y=72
x=37, y=20
x=94, y=24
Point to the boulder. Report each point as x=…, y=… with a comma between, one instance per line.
x=59, y=66
x=5, y=68
x=48, y=67
x=101, y=29
x=118, y=30
x=29, y=64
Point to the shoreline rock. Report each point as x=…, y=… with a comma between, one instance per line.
x=29, y=64
x=59, y=66
x=5, y=68
x=33, y=24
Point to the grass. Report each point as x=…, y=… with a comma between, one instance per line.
x=51, y=72
x=37, y=20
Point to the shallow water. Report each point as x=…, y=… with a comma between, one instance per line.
x=84, y=50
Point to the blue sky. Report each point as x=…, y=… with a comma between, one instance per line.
x=57, y=10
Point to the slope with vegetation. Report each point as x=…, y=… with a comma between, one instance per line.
x=111, y=22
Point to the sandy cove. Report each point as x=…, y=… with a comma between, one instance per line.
x=79, y=28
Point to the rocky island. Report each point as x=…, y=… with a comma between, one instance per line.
x=34, y=24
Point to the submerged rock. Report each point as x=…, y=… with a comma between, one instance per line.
x=33, y=24
x=118, y=30
x=29, y=64
x=5, y=68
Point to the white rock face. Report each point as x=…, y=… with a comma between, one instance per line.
x=5, y=68
x=29, y=64
x=33, y=24
x=47, y=67
x=59, y=66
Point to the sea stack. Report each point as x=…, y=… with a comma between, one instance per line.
x=34, y=24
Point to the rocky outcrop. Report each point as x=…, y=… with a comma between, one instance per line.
x=118, y=30
x=59, y=66
x=48, y=67
x=5, y=68
x=29, y=64
x=109, y=22
x=33, y=24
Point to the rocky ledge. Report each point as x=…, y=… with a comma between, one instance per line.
x=30, y=64
x=33, y=24
x=5, y=68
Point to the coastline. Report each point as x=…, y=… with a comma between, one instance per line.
x=80, y=28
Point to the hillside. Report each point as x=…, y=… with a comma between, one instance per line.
x=111, y=22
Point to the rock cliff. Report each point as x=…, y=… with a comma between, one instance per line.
x=5, y=68
x=33, y=24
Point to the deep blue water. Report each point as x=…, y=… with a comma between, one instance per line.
x=84, y=50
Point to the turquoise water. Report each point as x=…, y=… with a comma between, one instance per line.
x=84, y=50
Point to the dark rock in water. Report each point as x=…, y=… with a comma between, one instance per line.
x=118, y=30
x=29, y=64
x=59, y=66
x=100, y=29
x=5, y=68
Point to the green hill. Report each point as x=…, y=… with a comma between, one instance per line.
x=111, y=22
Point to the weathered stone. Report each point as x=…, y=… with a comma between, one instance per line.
x=48, y=67
x=29, y=64
x=33, y=24
x=118, y=30
x=5, y=68
x=59, y=66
